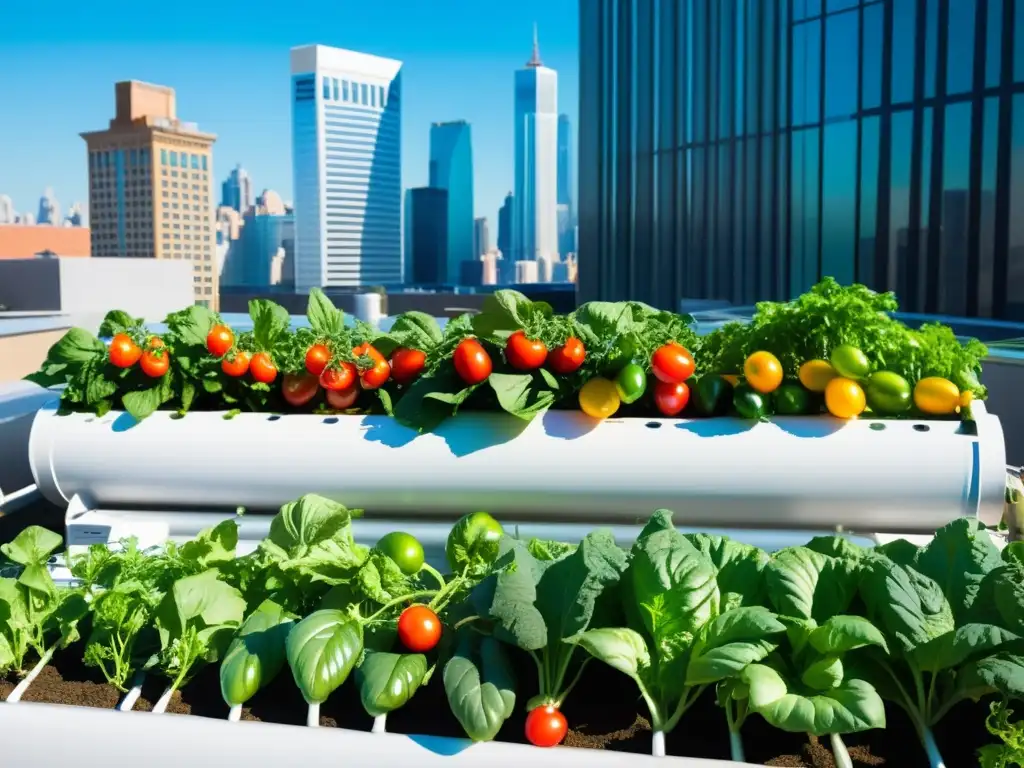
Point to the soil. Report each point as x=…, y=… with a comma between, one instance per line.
x=66, y=680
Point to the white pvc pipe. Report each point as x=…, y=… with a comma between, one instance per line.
x=313, y=716
x=737, y=473
x=126, y=703
x=165, y=698
x=380, y=723
x=86, y=735
x=20, y=688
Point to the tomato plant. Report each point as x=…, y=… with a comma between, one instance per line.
x=672, y=363
x=340, y=378
x=219, y=340
x=405, y=549
x=546, y=726
x=523, y=353
x=407, y=364
x=472, y=362
x=568, y=357
x=419, y=628
x=317, y=358
x=299, y=388
x=671, y=399
x=155, y=362
x=124, y=353
x=262, y=368
x=342, y=399
x=235, y=365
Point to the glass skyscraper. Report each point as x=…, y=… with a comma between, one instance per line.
x=742, y=149
x=347, y=163
x=451, y=169
x=535, y=201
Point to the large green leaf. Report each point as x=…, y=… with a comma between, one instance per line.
x=850, y=707
x=212, y=545
x=480, y=686
x=256, y=654
x=964, y=643
x=618, y=647
x=32, y=546
x=957, y=559
x=730, y=642
x=322, y=649
x=1001, y=673
x=846, y=633
x=805, y=584
x=388, y=680
x=303, y=524
x=740, y=569
x=508, y=594
x=908, y=606
x=202, y=602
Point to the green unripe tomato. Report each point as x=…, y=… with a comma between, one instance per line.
x=405, y=549
x=473, y=542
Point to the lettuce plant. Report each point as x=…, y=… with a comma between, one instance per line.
x=679, y=637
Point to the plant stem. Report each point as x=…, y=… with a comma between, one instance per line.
x=463, y=622
x=658, y=744
x=736, y=747
x=563, y=694
x=435, y=573
x=685, y=702
x=931, y=748
x=398, y=601
x=839, y=751
x=313, y=715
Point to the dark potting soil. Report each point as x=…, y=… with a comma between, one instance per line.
x=66, y=680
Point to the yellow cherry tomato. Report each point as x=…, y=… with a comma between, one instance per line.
x=844, y=398
x=763, y=372
x=599, y=398
x=816, y=374
x=936, y=396
x=732, y=378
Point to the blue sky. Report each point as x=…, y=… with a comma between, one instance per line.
x=228, y=62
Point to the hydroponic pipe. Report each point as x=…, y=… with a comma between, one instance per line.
x=93, y=736
x=792, y=472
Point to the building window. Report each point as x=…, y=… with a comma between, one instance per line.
x=174, y=159
x=163, y=157
x=195, y=162
x=382, y=99
x=364, y=95
x=344, y=90
x=184, y=159
x=326, y=88
x=334, y=86
x=204, y=164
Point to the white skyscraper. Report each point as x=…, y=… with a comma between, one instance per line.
x=7, y=215
x=535, y=201
x=346, y=155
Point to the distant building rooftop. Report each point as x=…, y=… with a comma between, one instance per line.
x=18, y=241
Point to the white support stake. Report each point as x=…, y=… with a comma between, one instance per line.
x=128, y=701
x=20, y=688
x=161, y=704
x=235, y=714
x=379, y=724
x=313, y=716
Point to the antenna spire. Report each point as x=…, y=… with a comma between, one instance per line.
x=535, y=57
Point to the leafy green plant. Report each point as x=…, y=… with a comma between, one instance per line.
x=256, y=654
x=680, y=639
x=480, y=685
x=1010, y=751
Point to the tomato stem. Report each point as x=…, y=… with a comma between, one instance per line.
x=397, y=601
x=435, y=573
x=465, y=621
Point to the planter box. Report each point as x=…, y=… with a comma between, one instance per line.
x=793, y=472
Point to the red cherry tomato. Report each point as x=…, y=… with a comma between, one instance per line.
x=525, y=354
x=368, y=349
x=568, y=357
x=419, y=629
x=262, y=368
x=219, y=340
x=299, y=388
x=377, y=376
x=407, y=364
x=342, y=399
x=671, y=399
x=317, y=358
x=124, y=353
x=155, y=342
x=236, y=366
x=154, y=362
x=472, y=362
x=672, y=363
x=336, y=379
x=546, y=726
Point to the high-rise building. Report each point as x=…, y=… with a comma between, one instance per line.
x=566, y=214
x=7, y=214
x=236, y=191
x=49, y=209
x=481, y=237
x=347, y=163
x=505, y=227
x=150, y=188
x=757, y=147
x=451, y=168
x=534, y=216
x=426, y=236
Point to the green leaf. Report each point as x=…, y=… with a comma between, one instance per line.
x=117, y=321
x=740, y=569
x=599, y=321
x=899, y=551
x=212, y=545
x=430, y=400
x=1001, y=673
x=480, y=686
x=322, y=649
x=957, y=559
x=77, y=346
x=388, y=680
x=730, y=642
x=836, y=546
x=620, y=648
x=416, y=330
x=508, y=594
x=96, y=384
x=805, y=584
x=142, y=403
x=850, y=707
x=908, y=606
x=324, y=318
x=302, y=524
x=952, y=649
x=824, y=674
x=840, y=634
x=544, y=549
x=191, y=325
x=32, y=546
x=269, y=321
x=520, y=394
x=503, y=311
x=256, y=655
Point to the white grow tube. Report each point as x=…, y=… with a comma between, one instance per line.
x=110, y=738
x=793, y=472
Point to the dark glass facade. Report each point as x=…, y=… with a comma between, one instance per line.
x=743, y=149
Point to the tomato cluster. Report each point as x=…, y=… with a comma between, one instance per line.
x=671, y=364
x=153, y=361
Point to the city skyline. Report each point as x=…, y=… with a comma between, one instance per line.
x=39, y=146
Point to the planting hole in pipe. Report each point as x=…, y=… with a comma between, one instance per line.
x=653, y=424
x=877, y=426
x=274, y=417
x=331, y=420
x=921, y=428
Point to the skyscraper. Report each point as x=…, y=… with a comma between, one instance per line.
x=347, y=162
x=567, y=216
x=534, y=217
x=150, y=185
x=7, y=214
x=451, y=169
x=49, y=209
x=236, y=191
x=505, y=226
x=481, y=237
x=426, y=236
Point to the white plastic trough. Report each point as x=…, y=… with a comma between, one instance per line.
x=812, y=472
